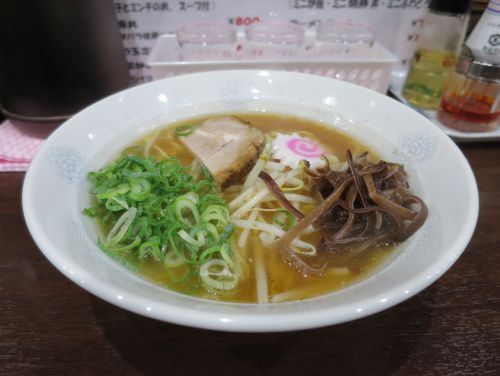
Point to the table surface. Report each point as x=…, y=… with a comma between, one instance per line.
x=50, y=326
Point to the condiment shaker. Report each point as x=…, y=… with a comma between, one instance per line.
x=471, y=101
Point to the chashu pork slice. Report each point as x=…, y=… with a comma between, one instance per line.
x=227, y=146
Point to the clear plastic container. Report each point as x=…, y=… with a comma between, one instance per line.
x=471, y=100
x=206, y=41
x=338, y=38
x=268, y=40
x=373, y=72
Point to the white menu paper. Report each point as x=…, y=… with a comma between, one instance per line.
x=397, y=22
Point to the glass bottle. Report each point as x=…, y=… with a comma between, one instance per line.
x=442, y=37
x=206, y=41
x=471, y=102
x=343, y=38
x=274, y=40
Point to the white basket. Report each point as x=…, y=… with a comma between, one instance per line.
x=373, y=71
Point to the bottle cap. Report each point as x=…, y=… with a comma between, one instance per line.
x=450, y=6
x=484, y=40
x=477, y=69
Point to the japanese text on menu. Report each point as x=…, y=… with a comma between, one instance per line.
x=141, y=22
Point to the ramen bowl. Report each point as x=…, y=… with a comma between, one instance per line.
x=55, y=191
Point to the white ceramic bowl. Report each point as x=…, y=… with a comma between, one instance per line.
x=55, y=192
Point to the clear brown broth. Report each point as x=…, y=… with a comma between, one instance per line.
x=283, y=281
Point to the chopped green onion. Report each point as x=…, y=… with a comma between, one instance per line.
x=173, y=260
x=284, y=219
x=139, y=189
x=209, y=252
x=89, y=212
x=203, y=186
x=193, y=197
x=120, y=190
x=198, y=242
x=217, y=275
x=227, y=232
x=121, y=226
x=122, y=257
x=217, y=215
x=116, y=204
x=224, y=251
x=182, y=205
x=133, y=244
x=212, y=231
x=150, y=248
x=156, y=210
x=184, y=130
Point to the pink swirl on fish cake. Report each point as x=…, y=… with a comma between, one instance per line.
x=304, y=148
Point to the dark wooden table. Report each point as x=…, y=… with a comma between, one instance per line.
x=50, y=326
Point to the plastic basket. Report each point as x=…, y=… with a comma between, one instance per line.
x=373, y=71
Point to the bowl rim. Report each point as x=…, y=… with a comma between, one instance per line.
x=282, y=321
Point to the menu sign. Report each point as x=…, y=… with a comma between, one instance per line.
x=397, y=22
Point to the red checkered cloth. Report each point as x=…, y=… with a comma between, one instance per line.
x=17, y=149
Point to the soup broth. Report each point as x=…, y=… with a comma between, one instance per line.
x=263, y=268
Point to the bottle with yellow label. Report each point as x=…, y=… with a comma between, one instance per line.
x=443, y=34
